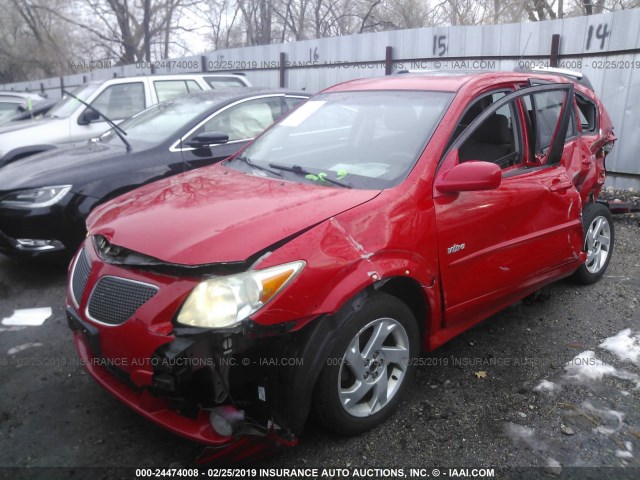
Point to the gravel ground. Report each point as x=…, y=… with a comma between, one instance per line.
x=475, y=401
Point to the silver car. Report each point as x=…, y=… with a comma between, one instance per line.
x=71, y=123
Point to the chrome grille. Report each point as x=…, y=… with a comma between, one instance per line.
x=114, y=300
x=80, y=276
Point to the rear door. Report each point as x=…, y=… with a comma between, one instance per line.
x=494, y=244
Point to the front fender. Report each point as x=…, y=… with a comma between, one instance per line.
x=339, y=267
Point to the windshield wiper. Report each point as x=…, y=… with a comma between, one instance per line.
x=119, y=131
x=255, y=165
x=297, y=169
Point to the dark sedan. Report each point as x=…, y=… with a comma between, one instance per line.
x=45, y=199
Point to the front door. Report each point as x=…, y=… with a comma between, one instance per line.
x=494, y=244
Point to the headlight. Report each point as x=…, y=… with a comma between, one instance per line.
x=35, y=197
x=224, y=302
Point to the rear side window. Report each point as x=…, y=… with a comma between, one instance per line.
x=587, y=111
x=224, y=82
x=166, y=89
x=543, y=110
x=121, y=101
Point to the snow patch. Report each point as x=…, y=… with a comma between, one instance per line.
x=625, y=345
x=546, y=386
x=524, y=435
x=11, y=329
x=605, y=414
x=33, y=317
x=623, y=454
x=554, y=465
x=604, y=430
x=24, y=346
x=585, y=368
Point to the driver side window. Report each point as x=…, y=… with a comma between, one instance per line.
x=494, y=140
x=121, y=101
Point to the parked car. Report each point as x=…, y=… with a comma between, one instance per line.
x=70, y=122
x=45, y=199
x=381, y=218
x=15, y=105
x=36, y=111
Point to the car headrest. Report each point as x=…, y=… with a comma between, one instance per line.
x=494, y=129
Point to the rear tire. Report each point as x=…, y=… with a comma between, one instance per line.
x=369, y=368
x=598, y=241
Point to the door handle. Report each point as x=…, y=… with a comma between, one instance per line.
x=560, y=187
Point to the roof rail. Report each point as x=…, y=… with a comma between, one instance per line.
x=579, y=77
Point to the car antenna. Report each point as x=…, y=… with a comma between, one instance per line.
x=523, y=52
x=119, y=131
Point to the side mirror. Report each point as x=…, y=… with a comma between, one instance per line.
x=470, y=176
x=207, y=139
x=87, y=117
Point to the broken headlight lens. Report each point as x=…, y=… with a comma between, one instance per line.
x=35, y=197
x=223, y=302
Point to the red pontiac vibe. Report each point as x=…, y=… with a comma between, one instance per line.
x=380, y=219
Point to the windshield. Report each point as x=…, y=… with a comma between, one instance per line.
x=67, y=105
x=164, y=121
x=368, y=139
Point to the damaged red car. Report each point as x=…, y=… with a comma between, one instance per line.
x=303, y=276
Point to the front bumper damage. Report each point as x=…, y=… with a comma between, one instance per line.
x=194, y=384
x=243, y=393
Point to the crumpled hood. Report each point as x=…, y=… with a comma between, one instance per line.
x=217, y=214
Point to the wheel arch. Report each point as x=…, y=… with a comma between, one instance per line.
x=314, y=342
x=411, y=293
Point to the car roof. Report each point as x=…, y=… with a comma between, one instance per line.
x=224, y=95
x=170, y=76
x=25, y=95
x=442, y=81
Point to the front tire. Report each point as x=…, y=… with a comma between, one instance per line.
x=370, y=366
x=598, y=239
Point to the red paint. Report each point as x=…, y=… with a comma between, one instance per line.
x=231, y=215
x=153, y=408
x=469, y=177
x=473, y=237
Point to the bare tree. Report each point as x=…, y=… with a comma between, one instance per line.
x=33, y=43
x=127, y=31
x=224, y=21
x=257, y=15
